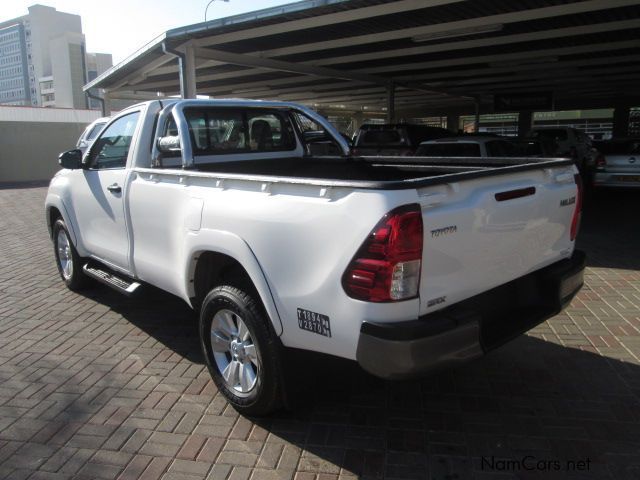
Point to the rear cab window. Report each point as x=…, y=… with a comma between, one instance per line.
x=219, y=131
x=453, y=149
x=374, y=137
x=382, y=137
x=550, y=135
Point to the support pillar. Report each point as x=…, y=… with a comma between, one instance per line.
x=188, y=67
x=391, y=103
x=453, y=122
x=476, y=122
x=357, y=120
x=620, y=122
x=106, y=104
x=525, y=122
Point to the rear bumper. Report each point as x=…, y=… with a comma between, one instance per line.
x=470, y=328
x=621, y=180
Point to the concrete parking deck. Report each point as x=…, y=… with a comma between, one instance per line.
x=101, y=386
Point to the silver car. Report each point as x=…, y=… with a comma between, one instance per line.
x=618, y=164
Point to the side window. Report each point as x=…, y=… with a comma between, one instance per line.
x=306, y=124
x=95, y=131
x=111, y=149
x=315, y=138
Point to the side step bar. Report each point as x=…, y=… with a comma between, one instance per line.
x=122, y=285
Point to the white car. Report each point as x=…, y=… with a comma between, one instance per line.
x=90, y=133
x=403, y=270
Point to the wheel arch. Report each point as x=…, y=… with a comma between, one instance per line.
x=220, y=258
x=53, y=214
x=54, y=209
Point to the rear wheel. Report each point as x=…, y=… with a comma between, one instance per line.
x=67, y=259
x=241, y=350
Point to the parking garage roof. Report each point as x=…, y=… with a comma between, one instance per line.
x=439, y=54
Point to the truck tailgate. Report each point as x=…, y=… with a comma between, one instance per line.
x=485, y=232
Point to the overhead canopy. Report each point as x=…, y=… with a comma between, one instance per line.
x=440, y=55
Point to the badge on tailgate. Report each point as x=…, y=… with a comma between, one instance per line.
x=314, y=322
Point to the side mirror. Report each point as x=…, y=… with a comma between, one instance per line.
x=71, y=159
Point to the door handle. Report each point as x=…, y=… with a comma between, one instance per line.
x=114, y=188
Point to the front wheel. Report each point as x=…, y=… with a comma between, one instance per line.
x=67, y=259
x=241, y=351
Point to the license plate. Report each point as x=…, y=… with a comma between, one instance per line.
x=627, y=178
x=314, y=322
x=571, y=284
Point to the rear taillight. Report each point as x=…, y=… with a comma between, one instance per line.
x=601, y=161
x=577, y=214
x=386, y=268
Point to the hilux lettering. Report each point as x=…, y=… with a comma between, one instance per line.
x=438, y=232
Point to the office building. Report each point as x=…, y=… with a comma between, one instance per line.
x=43, y=60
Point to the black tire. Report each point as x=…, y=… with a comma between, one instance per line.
x=75, y=279
x=266, y=394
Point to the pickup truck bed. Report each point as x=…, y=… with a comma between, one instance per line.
x=379, y=172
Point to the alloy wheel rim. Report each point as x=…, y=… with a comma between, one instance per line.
x=65, y=259
x=234, y=352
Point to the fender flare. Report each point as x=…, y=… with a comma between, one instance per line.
x=55, y=201
x=230, y=244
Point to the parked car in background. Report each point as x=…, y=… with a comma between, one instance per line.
x=566, y=142
x=528, y=147
x=90, y=133
x=398, y=139
x=467, y=146
x=617, y=164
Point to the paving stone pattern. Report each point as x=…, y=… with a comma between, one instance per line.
x=101, y=386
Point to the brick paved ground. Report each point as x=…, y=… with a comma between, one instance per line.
x=100, y=386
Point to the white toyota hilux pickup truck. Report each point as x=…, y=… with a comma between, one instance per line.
x=401, y=264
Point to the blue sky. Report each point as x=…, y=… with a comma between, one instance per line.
x=120, y=27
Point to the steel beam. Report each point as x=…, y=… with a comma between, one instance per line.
x=328, y=19
x=290, y=67
x=492, y=41
x=523, y=56
x=511, y=17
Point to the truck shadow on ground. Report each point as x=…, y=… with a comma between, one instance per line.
x=610, y=229
x=166, y=318
x=530, y=398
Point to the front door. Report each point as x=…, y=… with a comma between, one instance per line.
x=98, y=193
